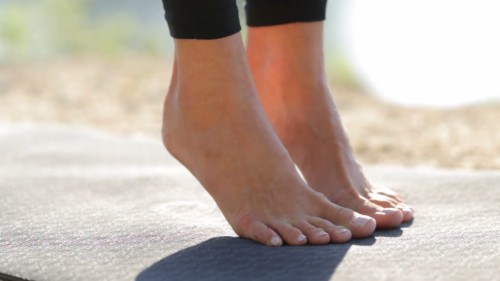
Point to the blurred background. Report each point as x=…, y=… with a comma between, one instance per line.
x=417, y=82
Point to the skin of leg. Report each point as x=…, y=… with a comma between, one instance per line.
x=214, y=125
x=287, y=62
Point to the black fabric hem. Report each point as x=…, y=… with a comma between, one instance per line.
x=204, y=30
x=201, y=19
x=275, y=12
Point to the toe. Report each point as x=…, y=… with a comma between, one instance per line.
x=290, y=234
x=383, y=201
x=261, y=233
x=338, y=234
x=315, y=235
x=387, y=217
x=341, y=235
x=407, y=212
x=389, y=203
x=391, y=194
x=248, y=227
x=359, y=225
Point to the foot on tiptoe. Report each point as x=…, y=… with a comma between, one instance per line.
x=218, y=130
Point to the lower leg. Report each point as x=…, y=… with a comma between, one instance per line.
x=215, y=126
x=287, y=64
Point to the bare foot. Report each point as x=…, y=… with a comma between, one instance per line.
x=215, y=126
x=293, y=89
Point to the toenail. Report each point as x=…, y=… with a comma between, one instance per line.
x=390, y=211
x=301, y=238
x=275, y=241
x=322, y=233
x=343, y=230
x=360, y=220
x=408, y=210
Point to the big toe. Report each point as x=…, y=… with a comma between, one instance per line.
x=383, y=201
x=388, y=203
x=390, y=194
x=359, y=225
x=387, y=217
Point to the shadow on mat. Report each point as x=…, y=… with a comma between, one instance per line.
x=230, y=258
x=396, y=232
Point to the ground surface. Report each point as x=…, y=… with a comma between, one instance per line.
x=83, y=205
x=125, y=95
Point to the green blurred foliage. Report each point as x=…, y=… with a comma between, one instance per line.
x=64, y=27
x=340, y=71
x=15, y=31
x=49, y=28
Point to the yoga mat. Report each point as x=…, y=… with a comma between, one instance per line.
x=79, y=204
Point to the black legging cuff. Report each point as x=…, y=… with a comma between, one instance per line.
x=274, y=12
x=201, y=19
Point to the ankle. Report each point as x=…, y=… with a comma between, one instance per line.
x=293, y=95
x=288, y=52
x=194, y=106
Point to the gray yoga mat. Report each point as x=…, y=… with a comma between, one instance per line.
x=77, y=204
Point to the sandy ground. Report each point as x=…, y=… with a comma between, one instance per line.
x=126, y=96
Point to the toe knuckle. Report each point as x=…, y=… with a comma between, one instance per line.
x=243, y=223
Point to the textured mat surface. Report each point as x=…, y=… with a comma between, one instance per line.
x=81, y=205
